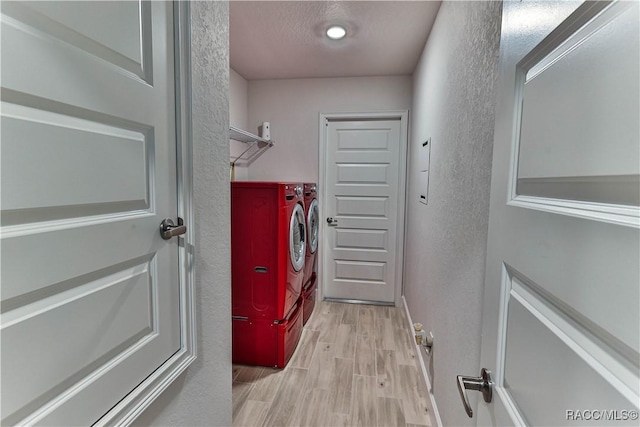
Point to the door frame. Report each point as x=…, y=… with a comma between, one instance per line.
x=140, y=398
x=403, y=116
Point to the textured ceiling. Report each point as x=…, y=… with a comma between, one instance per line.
x=286, y=39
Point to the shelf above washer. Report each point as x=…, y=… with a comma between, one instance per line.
x=257, y=146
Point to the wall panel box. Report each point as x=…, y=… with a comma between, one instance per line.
x=424, y=186
x=425, y=155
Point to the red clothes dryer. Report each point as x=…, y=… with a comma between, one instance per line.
x=268, y=243
x=312, y=214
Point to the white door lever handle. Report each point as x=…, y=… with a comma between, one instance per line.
x=483, y=384
x=168, y=229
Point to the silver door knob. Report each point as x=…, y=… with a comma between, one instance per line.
x=332, y=221
x=483, y=384
x=168, y=229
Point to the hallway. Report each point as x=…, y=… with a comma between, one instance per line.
x=354, y=366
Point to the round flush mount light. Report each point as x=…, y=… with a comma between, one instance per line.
x=336, y=32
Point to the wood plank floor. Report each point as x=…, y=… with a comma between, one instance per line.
x=354, y=366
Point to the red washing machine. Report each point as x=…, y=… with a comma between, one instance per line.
x=268, y=242
x=312, y=214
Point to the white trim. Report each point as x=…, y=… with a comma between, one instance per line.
x=402, y=205
x=435, y=414
x=403, y=116
x=134, y=404
x=360, y=302
x=504, y=394
x=628, y=216
x=503, y=314
x=510, y=406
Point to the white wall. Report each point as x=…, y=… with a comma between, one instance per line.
x=453, y=103
x=238, y=100
x=202, y=395
x=293, y=107
x=238, y=117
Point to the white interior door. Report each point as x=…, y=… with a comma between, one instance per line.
x=561, y=313
x=89, y=287
x=362, y=192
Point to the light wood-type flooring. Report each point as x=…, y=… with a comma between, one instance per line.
x=354, y=366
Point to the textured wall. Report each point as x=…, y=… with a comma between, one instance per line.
x=453, y=103
x=202, y=395
x=293, y=108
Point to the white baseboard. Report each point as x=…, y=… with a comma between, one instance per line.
x=435, y=415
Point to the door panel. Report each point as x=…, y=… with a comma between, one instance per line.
x=362, y=195
x=583, y=385
x=554, y=130
x=361, y=239
x=361, y=206
x=583, y=153
x=102, y=334
x=362, y=174
x=90, y=26
x=89, y=288
x=561, y=326
x=33, y=137
x=364, y=270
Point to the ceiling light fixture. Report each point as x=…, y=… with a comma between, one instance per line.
x=336, y=32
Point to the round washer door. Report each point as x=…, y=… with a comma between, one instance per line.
x=313, y=225
x=297, y=237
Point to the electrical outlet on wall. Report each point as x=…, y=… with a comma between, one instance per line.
x=265, y=130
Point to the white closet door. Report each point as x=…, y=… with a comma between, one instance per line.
x=561, y=329
x=89, y=288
